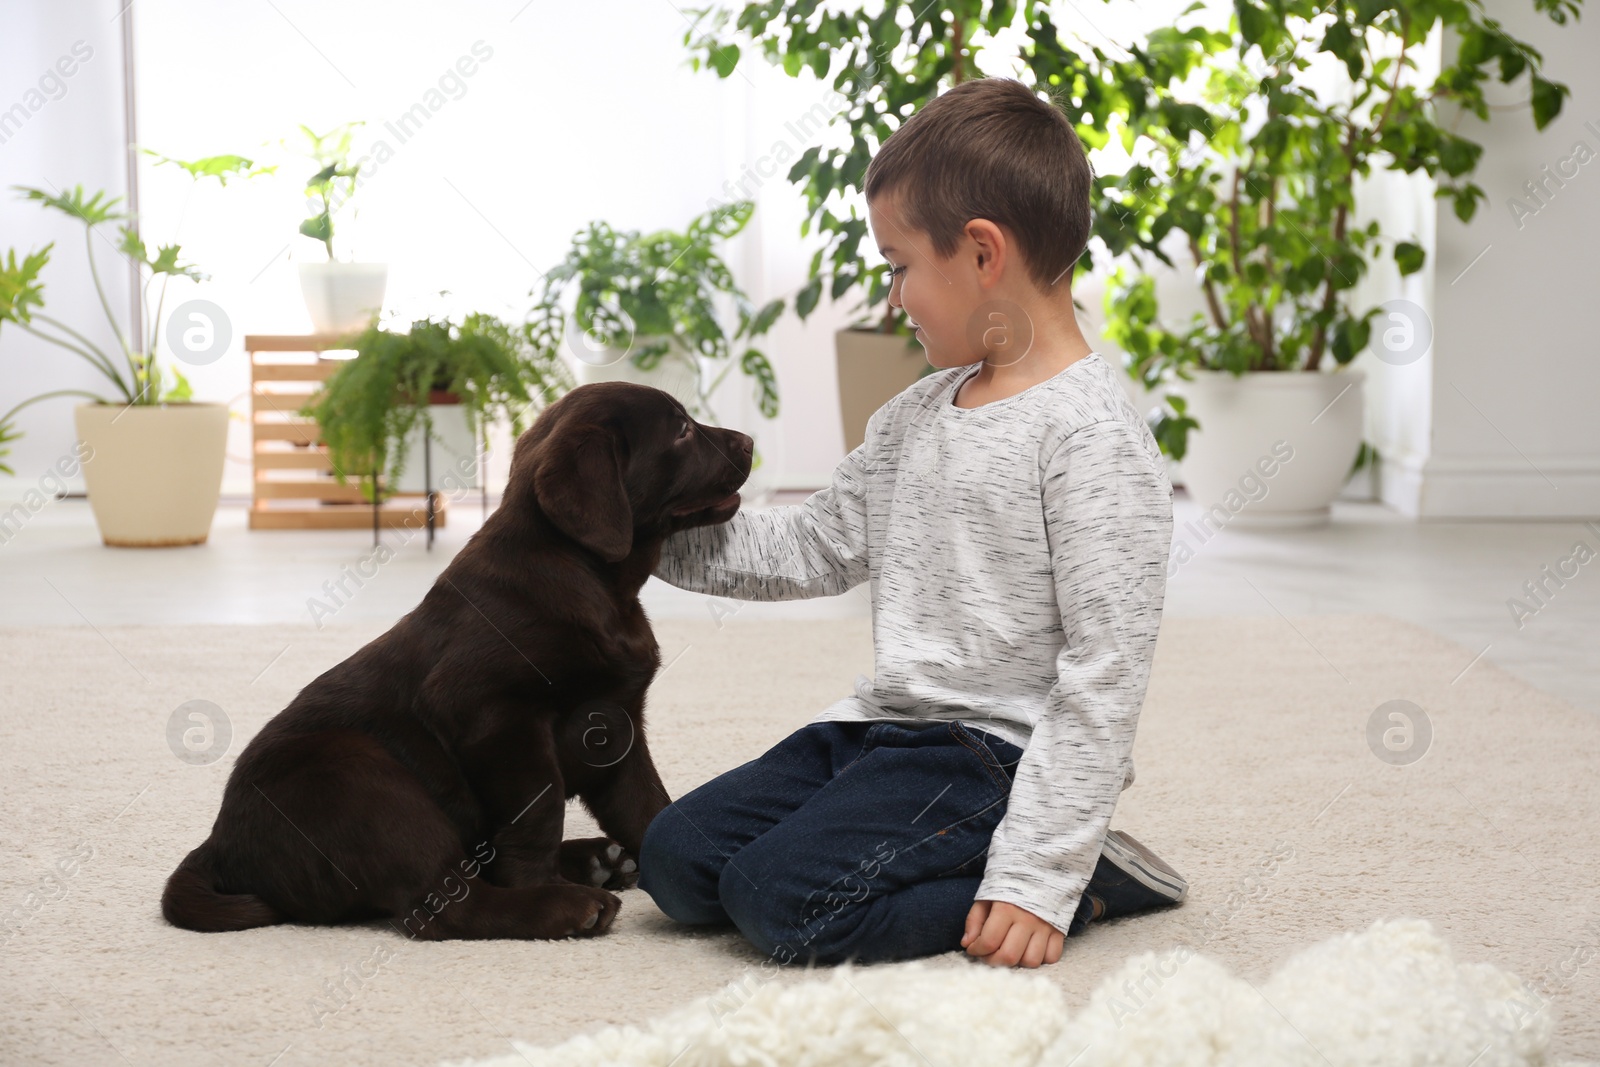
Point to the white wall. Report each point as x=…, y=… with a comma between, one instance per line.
x=56, y=132
x=580, y=112
x=1515, y=378
x=588, y=111
x=1398, y=413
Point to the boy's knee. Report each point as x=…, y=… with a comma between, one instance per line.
x=778, y=923
x=751, y=910
x=660, y=855
x=671, y=870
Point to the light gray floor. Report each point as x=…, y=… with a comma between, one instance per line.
x=1453, y=578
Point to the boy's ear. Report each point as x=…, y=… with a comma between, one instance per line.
x=578, y=482
x=989, y=238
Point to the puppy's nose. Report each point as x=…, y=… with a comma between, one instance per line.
x=744, y=443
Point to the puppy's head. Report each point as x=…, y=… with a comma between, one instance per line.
x=613, y=464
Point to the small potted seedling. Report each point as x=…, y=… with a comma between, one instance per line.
x=340, y=295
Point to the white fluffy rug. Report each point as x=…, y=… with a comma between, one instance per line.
x=1255, y=779
x=1393, y=995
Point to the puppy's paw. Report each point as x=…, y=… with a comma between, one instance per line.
x=591, y=911
x=599, y=862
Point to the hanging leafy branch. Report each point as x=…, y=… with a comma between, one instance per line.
x=886, y=61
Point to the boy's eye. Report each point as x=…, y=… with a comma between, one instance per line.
x=897, y=271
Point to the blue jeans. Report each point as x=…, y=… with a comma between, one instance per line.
x=847, y=840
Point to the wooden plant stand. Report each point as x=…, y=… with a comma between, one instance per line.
x=293, y=477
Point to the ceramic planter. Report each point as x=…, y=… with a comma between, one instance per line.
x=455, y=451
x=873, y=368
x=342, y=297
x=153, y=473
x=1274, y=447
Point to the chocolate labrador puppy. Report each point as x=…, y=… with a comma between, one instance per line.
x=424, y=779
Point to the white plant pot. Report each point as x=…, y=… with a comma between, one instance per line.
x=1274, y=447
x=678, y=372
x=455, y=454
x=153, y=473
x=342, y=297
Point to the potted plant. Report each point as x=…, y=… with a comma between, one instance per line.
x=154, y=456
x=1254, y=180
x=1297, y=155
x=340, y=295
x=646, y=310
x=375, y=406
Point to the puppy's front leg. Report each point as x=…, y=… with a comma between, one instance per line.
x=625, y=801
x=520, y=786
x=527, y=849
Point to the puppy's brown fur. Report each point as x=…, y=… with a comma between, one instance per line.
x=424, y=779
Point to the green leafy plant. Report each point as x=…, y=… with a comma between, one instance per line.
x=373, y=402
x=1257, y=185
x=219, y=167
x=655, y=296
x=333, y=183
x=1239, y=164
x=134, y=371
x=889, y=59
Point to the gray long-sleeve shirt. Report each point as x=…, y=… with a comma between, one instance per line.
x=1017, y=555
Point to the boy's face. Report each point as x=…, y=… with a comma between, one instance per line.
x=939, y=295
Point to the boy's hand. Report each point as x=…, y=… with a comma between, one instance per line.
x=1005, y=935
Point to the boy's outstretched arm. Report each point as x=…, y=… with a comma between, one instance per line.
x=1108, y=518
x=817, y=548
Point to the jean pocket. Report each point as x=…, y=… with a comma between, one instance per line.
x=1006, y=755
x=992, y=766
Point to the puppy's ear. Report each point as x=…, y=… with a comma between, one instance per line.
x=578, y=483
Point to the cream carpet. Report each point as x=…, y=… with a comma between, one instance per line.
x=1255, y=778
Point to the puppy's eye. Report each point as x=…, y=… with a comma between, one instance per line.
x=684, y=432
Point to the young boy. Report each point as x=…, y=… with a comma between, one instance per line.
x=1013, y=517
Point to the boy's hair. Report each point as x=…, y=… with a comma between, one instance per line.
x=991, y=149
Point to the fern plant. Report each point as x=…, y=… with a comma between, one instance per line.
x=373, y=403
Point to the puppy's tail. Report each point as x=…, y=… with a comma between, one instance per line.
x=191, y=900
